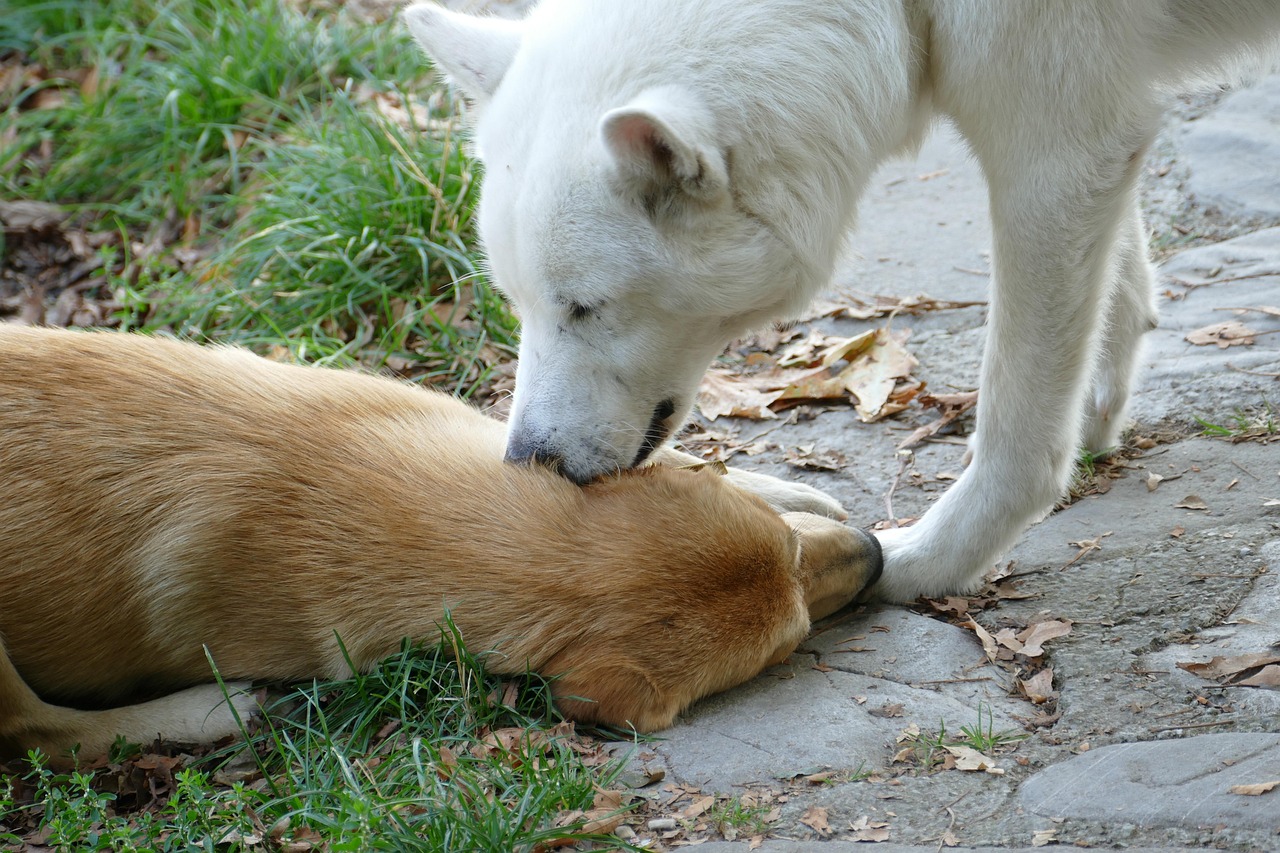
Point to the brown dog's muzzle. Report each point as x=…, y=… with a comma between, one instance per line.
x=836, y=562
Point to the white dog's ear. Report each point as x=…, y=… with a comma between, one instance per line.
x=664, y=140
x=474, y=52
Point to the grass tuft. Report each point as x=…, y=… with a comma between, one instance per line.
x=252, y=174
x=426, y=752
x=1261, y=423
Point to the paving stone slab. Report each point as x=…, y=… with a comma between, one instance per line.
x=1233, y=151
x=1179, y=379
x=1253, y=626
x=797, y=718
x=1172, y=782
x=780, y=845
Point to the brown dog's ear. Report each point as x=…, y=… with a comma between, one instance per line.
x=473, y=52
x=599, y=687
x=836, y=562
x=664, y=142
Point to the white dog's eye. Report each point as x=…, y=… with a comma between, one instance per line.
x=579, y=311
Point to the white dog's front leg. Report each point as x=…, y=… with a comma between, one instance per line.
x=1057, y=210
x=1131, y=313
x=781, y=495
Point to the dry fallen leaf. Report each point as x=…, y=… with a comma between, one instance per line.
x=1034, y=637
x=847, y=349
x=1254, y=790
x=1228, y=334
x=1086, y=546
x=988, y=642
x=853, y=308
x=1191, y=502
x=952, y=604
x=1042, y=837
x=911, y=732
x=968, y=758
x=808, y=459
x=952, y=407
x=1039, y=687
x=877, y=377
x=815, y=817
x=1258, y=669
x=698, y=806
x=865, y=829
x=872, y=377
x=723, y=393
x=1153, y=480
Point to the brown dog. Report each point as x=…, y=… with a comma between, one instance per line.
x=157, y=497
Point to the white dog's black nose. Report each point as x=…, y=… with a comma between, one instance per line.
x=525, y=449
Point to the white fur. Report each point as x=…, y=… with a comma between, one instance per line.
x=662, y=176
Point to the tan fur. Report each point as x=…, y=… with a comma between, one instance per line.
x=157, y=497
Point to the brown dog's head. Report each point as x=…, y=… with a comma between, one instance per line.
x=713, y=587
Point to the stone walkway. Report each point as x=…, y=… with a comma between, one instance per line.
x=1143, y=753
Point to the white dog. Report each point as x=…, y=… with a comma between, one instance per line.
x=662, y=176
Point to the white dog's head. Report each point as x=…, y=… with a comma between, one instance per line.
x=629, y=216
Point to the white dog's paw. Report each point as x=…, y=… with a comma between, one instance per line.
x=787, y=495
x=911, y=569
x=1104, y=424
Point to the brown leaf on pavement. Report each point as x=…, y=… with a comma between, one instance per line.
x=876, y=306
x=815, y=817
x=1257, y=669
x=952, y=407
x=698, y=806
x=1191, y=502
x=877, y=378
x=984, y=636
x=865, y=829
x=1086, y=546
x=809, y=459
x=968, y=758
x=1229, y=334
x=724, y=393
x=1039, y=687
x=1034, y=637
x=1256, y=790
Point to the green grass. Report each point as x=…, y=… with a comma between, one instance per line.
x=985, y=738
x=1261, y=422
x=928, y=749
x=734, y=817
x=421, y=754
x=306, y=161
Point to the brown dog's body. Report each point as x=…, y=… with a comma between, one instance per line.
x=157, y=497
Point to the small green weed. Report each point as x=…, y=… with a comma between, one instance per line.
x=1261, y=423
x=986, y=738
x=739, y=816
x=1087, y=461
x=929, y=750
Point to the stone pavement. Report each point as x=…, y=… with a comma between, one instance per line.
x=1143, y=753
